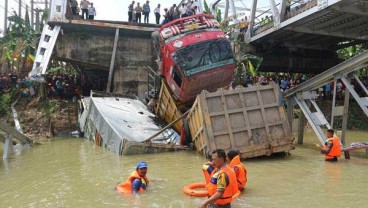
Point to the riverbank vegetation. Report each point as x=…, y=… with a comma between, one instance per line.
x=41, y=115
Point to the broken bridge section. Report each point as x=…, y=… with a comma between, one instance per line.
x=90, y=45
x=8, y=135
x=117, y=53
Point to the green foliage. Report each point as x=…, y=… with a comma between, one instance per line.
x=4, y=104
x=352, y=51
x=44, y=18
x=248, y=65
x=49, y=107
x=218, y=15
x=56, y=66
x=17, y=44
x=207, y=9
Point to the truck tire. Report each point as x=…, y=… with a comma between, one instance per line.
x=188, y=136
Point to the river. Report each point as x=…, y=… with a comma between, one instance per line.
x=73, y=172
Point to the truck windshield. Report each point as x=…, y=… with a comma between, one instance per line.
x=204, y=56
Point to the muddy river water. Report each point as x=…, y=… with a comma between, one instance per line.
x=73, y=172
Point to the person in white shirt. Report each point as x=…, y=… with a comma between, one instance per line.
x=84, y=6
x=199, y=6
x=157, y=14
x=91, y=12
x=183, y=10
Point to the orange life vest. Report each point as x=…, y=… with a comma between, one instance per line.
x=242, y=172
x=230, y=190
x=126, y=187
x=335, y=150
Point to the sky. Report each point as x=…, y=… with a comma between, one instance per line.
x=117, y=10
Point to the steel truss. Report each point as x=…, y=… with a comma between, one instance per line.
x=305, y=93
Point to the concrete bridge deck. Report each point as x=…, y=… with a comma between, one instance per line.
x=317, y=25
x=305, y=38
x=107, y=27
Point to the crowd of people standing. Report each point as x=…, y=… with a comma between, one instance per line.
x=87, y=8
x=135, y=11
x=288, y=81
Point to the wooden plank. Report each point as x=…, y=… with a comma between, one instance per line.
x=355, y=148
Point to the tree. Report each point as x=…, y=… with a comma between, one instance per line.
x=247, y=65
x=18, y=45
x=352, y=51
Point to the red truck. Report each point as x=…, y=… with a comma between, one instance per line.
x=196, y=56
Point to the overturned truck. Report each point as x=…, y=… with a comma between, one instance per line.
x=196, y=59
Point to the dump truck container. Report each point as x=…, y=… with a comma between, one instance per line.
x=251, y=120
x=166, y=107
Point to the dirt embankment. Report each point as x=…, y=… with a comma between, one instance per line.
x=44, y=119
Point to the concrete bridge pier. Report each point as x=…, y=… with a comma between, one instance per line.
x=7, y=146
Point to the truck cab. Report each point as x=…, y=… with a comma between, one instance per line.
x=196, y=56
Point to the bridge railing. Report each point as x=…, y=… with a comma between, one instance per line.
x=295, y=9
x=298, y=8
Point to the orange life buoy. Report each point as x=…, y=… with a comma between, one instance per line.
x=190, y=190
x=123, y=188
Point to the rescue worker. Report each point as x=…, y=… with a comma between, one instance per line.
x=222, y=184
x=137, y=181
x=238, y=167
x=332, y=147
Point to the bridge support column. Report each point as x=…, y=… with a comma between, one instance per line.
x=7, y=146
x=248, y=34
x=275, y=13
x=213, y=7
x=301, y=128
x=283, y=9
x=333, y=105
x=112, y=63
x=290, y=113
x=233, y=10
x=226, y=10
x=345, y=114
